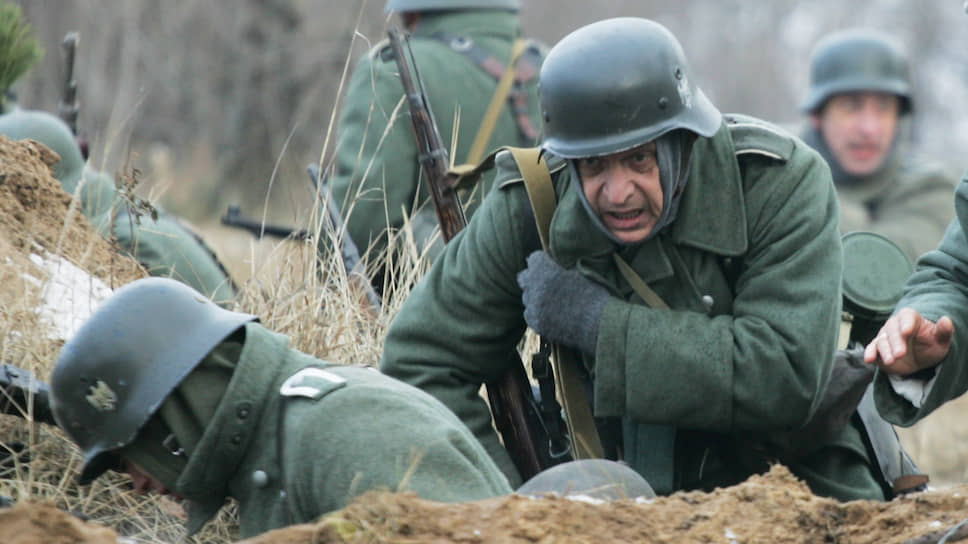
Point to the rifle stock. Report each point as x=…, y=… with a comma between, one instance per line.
x=23, y=395
x=513, y=407
x=432, y=153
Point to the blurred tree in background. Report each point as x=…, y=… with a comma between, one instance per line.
x=213, y=96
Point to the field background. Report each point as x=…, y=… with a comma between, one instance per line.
x=226, y=101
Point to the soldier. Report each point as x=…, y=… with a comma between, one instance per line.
x=203, y=403
x=921, y=350
x=727, y=220
x=462, y=48
x=163, y=244
x=860, y=106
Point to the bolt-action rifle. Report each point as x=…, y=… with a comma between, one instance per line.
x=513, y=405
x=349, y=253
x=233, y=218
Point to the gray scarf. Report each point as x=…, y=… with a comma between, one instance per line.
x=673, y=150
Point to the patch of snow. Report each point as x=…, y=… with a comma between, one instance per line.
x=70, y=295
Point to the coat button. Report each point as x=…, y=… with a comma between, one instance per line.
x=708, y=302
x=243, y=411
x=236, y=438
x=260, y=478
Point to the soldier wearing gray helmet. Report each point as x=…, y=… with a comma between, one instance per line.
x=204, y=403
x=462, y=48
x=161, y=242
x=659, y=200
x=859, y=104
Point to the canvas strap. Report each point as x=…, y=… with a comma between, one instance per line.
x=497, y=104
x=585, y=441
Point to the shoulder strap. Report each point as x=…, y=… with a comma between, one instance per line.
x=585, y=442
x=537, y=182
x=521, y=67
x=497, y=103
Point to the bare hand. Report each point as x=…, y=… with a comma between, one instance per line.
x=909, y=342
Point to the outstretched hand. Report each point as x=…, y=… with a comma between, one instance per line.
x=909, y=342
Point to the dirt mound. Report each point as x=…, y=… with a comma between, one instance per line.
x=772, y=508
x=55, y=265
x=44, y=524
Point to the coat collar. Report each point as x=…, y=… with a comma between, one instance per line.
x=487, y=22
x=228, y=437
x=712, y=217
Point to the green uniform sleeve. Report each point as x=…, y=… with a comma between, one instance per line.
x=938, y=287
x=461, y=324
x=761, y=366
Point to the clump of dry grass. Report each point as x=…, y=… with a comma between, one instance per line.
x=294, y=291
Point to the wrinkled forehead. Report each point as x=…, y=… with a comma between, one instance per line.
x=648, y=148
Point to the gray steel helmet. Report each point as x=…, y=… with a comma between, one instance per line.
x=618, y=83
x=857, y=60
x=596, y=478
x=437, y=5
x=113, y=375
x=51, y=131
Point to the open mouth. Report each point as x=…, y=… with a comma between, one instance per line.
x=625, y=219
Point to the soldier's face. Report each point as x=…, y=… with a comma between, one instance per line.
x=143, y=483
x=623, y=189
x=859, y=129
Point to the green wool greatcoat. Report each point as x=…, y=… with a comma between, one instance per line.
x=290, y=455
x=377, y=180
x=165, y=246
x=751, y=270
x=938, y=287
x=908, y=200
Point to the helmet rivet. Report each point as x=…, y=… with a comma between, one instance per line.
x=663, y=102
x=260, y=478
x=678, y=73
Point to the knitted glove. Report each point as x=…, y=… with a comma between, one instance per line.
x=561, y=305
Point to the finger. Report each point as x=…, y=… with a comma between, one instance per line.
x=908, y=320
x=894, y=337
x=870, y=353
x=884, y=348
x=944, y=330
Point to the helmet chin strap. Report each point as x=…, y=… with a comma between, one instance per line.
x=673, y=150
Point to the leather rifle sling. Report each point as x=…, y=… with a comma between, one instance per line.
x=585, y=441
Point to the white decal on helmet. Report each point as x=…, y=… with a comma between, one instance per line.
x=685, y=93
x=101, y=397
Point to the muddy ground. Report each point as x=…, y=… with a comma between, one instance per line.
x=771, y=509
x=40, y=225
